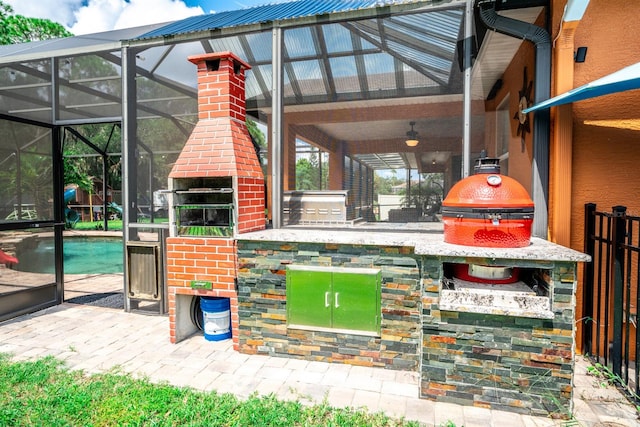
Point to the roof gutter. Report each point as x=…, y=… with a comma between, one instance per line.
x=542, y=90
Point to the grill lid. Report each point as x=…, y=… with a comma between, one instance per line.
x=487, y=192
x=488, y=209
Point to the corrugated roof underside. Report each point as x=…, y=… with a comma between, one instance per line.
x=262, y=14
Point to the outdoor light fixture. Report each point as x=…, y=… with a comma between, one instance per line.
x=581, y=54
x=412, y=136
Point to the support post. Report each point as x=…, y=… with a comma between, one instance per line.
x=587, y=289
x=58, y=214
x=105, y=171
x=129, y=158
x=277, y=142
x=617, y=242
x=129, y=145
x=466, y=132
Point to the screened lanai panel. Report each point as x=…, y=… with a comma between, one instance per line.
x=337, y=39
x=296, y=42
x=253, y=47
x=437, y=68
x=169, y=64
x=26, y=172
x=88, y=71
x=403, y=55
x=257, y=84
x=345, y=74
x=90, y=87
x=381, y=72
x=159, y=142
x=26, y=218
x=176, y=107
x=437, y=32
x=155, y=99
x=305, y=78
x=25, y=90
x=426, y=41
x=256, y=50
x=365, y=59
x=414, y=79
x=31, y=283
x=234, y=44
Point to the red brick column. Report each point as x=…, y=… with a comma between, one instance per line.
x=200, y=259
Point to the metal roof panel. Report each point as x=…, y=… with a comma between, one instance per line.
x=76, y=45
x=261, y=14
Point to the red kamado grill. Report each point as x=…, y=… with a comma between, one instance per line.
x=488, y=209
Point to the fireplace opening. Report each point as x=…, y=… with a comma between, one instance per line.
x=494, y=289
x=204, y=206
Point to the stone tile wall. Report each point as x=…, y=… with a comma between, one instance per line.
x=262, y=304
x=516, y=364
x=513, y=363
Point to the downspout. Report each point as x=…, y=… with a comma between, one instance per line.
x=542, y=88
x=562, y=136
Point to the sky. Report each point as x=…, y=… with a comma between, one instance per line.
x=94, y=16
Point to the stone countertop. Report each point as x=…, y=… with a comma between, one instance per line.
x=423, y=242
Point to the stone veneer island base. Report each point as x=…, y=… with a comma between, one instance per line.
x=509, y=348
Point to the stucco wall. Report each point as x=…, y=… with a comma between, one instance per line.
x=605, y=159
x=520, y=156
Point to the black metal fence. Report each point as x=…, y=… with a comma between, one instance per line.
x=610, y=296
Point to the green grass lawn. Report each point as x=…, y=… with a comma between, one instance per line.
x=44, y=393
x=114, y=224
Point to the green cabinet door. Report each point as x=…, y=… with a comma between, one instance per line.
x=356, y=300
x=309, y=297
x=346, y=299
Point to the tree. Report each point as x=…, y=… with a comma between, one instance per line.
x=259, y=140
x=384, y=184
x=81, y=162
x=305, y=174
x=256, y=133
x=427, y=196
x=21, y=29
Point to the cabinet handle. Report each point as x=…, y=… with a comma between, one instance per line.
x=337, y=303
x=326, y=299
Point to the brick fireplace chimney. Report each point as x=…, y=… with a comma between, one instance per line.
x=220, y=144
x=219, y=149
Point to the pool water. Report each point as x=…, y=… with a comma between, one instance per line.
x=82, y=255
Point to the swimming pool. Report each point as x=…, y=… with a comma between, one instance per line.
x=82, y=255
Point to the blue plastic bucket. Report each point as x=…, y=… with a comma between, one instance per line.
x=216, y=318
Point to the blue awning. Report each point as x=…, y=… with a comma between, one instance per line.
x=626, y=79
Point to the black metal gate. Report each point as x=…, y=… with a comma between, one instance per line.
x=610, y=297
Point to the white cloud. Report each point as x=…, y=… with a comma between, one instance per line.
x=97, y=16
x=60, y=11
x=104, y=15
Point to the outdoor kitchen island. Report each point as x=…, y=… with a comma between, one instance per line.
x=391, y=299
x=484, y=326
